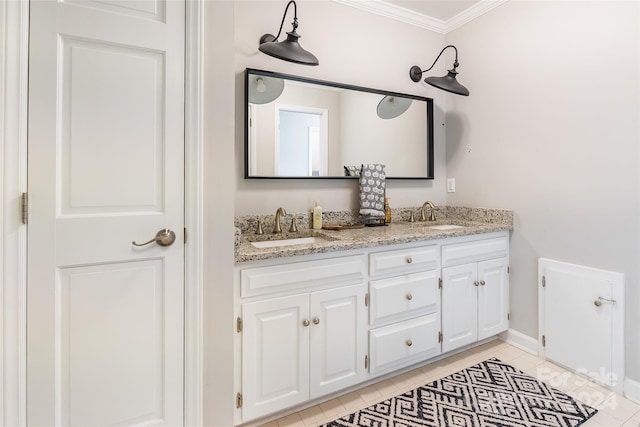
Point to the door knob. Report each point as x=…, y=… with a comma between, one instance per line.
x=316, y=320
x=164, y=237
x=305, y=323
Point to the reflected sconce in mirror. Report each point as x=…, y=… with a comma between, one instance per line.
x=447, y=83
x=391, y=107
x=263, y=89
x=289, y=49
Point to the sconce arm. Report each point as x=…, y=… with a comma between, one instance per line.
x=295, y=18
x=455, y=63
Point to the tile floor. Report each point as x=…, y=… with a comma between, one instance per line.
x=614, y=410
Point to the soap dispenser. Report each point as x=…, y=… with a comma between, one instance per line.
x=317, y=217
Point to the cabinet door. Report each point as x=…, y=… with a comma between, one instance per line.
x=338, y=339
x=275, y=355
x=493, y=297
x=459, y=306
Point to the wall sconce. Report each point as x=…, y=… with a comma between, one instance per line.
x=447, y=83
x=289, y=49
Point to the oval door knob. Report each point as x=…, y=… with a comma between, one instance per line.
x=409, y=297
x=409, y=260
x=597, y=303
x=482, y=282
x=305, y=322
x=409, y=343
x=164, y=237
x=316, y=320
x=476, y=283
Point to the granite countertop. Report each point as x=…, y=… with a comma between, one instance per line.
x=474, y=220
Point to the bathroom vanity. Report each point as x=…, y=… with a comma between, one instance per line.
x=315, y=319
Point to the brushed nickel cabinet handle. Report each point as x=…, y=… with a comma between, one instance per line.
x=482, y=283
x=409, y=260
x=316, y=320
x=409, y=343
x=409, y=297
x=476, y=283
x=305, y=322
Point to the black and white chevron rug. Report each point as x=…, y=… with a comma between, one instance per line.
x=491, y=393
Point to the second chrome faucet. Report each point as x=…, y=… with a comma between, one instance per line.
x=432, y=216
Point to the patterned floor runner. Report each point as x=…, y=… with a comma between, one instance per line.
x=491, y=393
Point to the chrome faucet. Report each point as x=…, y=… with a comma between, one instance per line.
x=432, y=217
x=277, y=228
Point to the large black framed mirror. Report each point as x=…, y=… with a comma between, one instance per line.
x=297, y=127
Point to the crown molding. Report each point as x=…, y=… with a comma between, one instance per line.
x=391, y=11
x=478, y=9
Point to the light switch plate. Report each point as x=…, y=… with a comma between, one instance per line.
x=451, y=185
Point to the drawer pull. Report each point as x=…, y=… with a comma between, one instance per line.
x=476, y=283
x=409, y=260
x=482, y=282
x=316, y=320
x=305, y=322
x=409, y=297
x=409, y=343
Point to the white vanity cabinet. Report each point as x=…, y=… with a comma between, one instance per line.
x=304, y=345
x=314, y=325
x=404, y=308
x=475, y=291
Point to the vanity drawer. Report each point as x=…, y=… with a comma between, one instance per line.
x=404, y=260
x=403, y=343
x=317, y=274
x=461, y=253
x=403, y=297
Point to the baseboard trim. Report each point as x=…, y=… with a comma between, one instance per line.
x=632, y=390
x=520, y=340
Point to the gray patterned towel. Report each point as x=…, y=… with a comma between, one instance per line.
x=372, y=190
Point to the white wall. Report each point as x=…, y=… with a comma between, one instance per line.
x=551, y=130
x=353, y=47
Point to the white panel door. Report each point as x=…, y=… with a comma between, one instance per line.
x=493, y=297
x=105, y=149
x=582, y=320
x=275, y=355
x=459, y=306
x=338, y=339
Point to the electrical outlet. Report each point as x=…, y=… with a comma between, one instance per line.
x=451, y=185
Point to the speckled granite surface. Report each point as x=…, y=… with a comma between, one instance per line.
x=474, y=220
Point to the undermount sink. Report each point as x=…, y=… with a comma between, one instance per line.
x=446, y=226
x=288, y=242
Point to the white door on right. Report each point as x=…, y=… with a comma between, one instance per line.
x=582, y=320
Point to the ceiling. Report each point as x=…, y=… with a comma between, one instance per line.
x=442, y=10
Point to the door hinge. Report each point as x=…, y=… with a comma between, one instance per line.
x=544, y=341
x=239, y=400
x=508, y=269
x=508, y=316
x=439, y=282
x=239, y=324
x=366, y=299
x=185, y=235
x=24, y=206
x=544, y=281
x=439, y=336
x=366, y=362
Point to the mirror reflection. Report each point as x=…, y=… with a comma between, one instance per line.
x=303, y=128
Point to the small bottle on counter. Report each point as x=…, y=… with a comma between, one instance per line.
x=387, y=210
x=317, y=217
